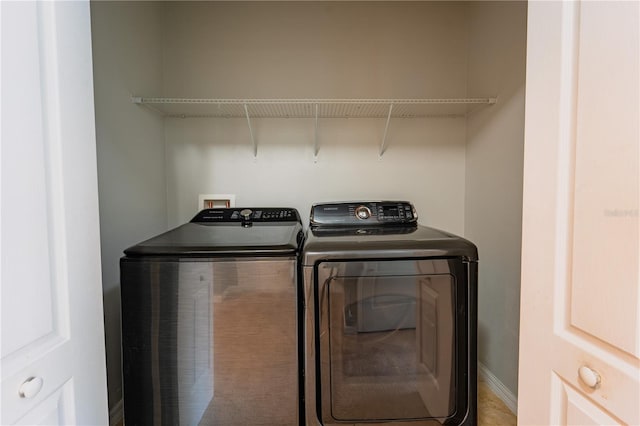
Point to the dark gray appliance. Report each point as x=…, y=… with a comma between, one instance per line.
x=210, y=324
x=390, y=318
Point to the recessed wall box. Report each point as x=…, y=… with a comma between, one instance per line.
x=210, y=201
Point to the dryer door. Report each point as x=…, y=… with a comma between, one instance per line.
x=392, y=340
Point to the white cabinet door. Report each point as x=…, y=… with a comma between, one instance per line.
x=580, y=299
x=52, y=355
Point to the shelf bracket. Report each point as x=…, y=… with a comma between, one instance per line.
x=253, y=140
x=315, y=137
x=386, y=128
x=139, y=100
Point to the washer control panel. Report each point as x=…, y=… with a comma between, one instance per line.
x=360, y=213
x=247, y=214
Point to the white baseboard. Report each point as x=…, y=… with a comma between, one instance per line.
x=497, y=387
x=116, y=414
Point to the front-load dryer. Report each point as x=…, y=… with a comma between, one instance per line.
x=390, y=318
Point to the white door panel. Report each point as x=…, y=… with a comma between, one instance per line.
x=580, y=261
x=28, y=185
x=52, y=326
x=574, y=409
x=606, y=189
x=55, y=409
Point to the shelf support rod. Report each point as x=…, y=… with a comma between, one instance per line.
x=386, y=128
x=253, y=140
x=315, y=138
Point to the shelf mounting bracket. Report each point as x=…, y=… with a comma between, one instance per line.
x=253, y=140
x=315, y=137
x=386, y=128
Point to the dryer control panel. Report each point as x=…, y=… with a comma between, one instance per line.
x=363, y=213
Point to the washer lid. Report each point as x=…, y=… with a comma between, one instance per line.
x=206, y=239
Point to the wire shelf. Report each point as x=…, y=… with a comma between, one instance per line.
x=312, y=108
x=306, y=108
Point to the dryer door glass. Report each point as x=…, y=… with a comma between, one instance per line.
x=387, y=334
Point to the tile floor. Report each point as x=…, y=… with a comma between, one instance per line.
x=491, y=410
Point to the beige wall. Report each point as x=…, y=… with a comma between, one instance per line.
x=493, y=201
x=312, y=50
x=315, y=49
x=130, y=147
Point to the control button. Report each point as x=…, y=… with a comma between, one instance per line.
x=246, y=214
x=363, y=213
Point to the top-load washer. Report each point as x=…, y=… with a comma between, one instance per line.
x=209, y=321
x=390, y=318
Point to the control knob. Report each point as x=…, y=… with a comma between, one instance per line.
x=245, y=215
x=363, y=212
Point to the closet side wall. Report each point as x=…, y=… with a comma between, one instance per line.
x=317, y=50
x=130, y=143
x=493, y=201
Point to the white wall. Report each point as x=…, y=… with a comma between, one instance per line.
x=127, y=58
x=312, y=50
x=493, y=202
x=424, y=163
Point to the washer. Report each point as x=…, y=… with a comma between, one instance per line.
x=390, y=318
x=210, y=321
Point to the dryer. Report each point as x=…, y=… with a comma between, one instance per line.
x=390, y=312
